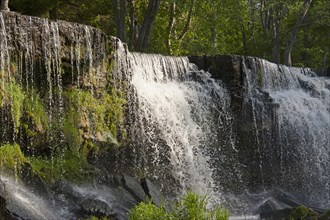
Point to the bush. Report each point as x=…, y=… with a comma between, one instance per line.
x=191, y=207
x=148, y=211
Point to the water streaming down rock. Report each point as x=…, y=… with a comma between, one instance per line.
x=180, y=112
x=36, y=69
x=299, y=127
x=283, y=136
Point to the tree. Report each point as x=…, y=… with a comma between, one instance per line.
x=292, y=39
x=4, y=5
x=143, y=41
x=119, y=10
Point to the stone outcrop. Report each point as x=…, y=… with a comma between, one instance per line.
x=226, y=68
x=111, y=196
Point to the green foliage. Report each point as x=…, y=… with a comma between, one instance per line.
x=302, y=212
x=11, y=157
x=149, y=211
x=191, y=207
x=254, y=28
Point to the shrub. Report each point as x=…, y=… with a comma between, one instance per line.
x=191, y=207
x=148, y=211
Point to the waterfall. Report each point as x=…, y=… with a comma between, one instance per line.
x=247, y=136
x=180, y=113
x=183, y=127
x=292, y=107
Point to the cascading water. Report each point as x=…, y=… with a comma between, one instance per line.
x=292, y=129
x=179, y=112
x=180, y=116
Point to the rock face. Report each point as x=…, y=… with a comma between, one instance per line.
x=112, y=196
x=61, y=106
x=227, y=68
x=53, y=61
x=264, y=100
x=325, y=71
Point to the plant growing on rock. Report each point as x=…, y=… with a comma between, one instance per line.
x=191, y=207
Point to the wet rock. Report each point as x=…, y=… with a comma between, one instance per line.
x=299, y=212
x=97, y=208
x=133, y=186
x=325, y=71
x=152, y=191
x=226, y=68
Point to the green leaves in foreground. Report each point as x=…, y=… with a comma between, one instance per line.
x=191, y=207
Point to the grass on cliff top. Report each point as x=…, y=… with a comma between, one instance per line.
x=191, y=207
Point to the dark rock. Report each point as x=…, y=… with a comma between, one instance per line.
x=325, y=216
x=276, y=214
x=97, y=208
x=152, y=191
x=33, y=180
x=226, y=68
x=299, y=212
x=325, y=71
x=133, y=186
x=111, y=196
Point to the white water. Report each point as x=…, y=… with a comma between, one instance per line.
x=28, y=204
x=176, y=120
x=303, y=122
x=176, y=117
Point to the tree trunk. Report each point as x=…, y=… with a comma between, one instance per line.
x=187, y=25
x=214, y=38
x=170, y=28
x=292, y=39
x=119, y=10
x=265, y=19
x=277, y=28
x=132, y=24
x=4, y=5
x=144, y=38
x=244, y=38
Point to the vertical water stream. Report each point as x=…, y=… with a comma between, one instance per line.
x=179, y=112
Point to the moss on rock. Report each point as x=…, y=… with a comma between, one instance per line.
x=11, y=157
x=70, y=165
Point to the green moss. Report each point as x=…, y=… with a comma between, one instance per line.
x=325, y=216
x=98, y=117
x=72, y=119
x=18, y=98
x=302, y=212
x=36, y=113
x=11, y=157
x=70, y=165
x=11, y=95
